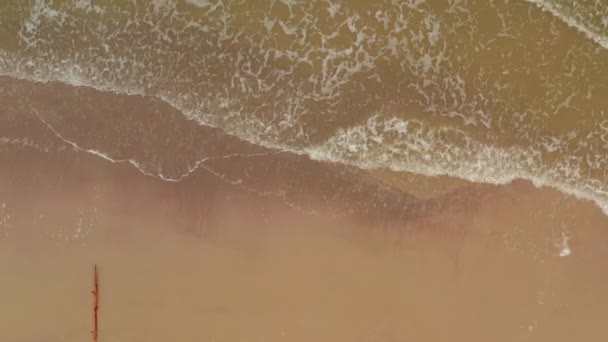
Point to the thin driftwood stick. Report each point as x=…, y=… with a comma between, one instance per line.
x=95, y=304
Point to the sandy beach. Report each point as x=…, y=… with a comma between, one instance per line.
x=277, y=247
x=340, y=171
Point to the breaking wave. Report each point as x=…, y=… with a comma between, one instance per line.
x=589, y=18
x=403, y=85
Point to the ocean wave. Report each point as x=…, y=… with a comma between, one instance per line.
x=413, y=146
x=576, y=20
x=434, y=74
x=403, y=146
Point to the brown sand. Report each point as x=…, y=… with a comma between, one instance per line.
x=273, y=247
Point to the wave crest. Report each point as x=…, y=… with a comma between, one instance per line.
x=592, y=21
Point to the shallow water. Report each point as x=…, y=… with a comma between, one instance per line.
x=487, y=91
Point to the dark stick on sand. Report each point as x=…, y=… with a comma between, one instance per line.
x=95, y=304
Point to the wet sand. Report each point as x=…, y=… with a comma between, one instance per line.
x=266, y=246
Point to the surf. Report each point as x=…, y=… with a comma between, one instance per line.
x=590, y=31
x=449, y=128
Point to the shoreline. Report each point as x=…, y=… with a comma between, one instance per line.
x=92, y=91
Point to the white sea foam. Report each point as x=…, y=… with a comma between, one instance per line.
x=24, y=142
x=576, y=23
x=381, y=142
x=133, y=162
x=414, y=147
x=88, y=6
x=199, y=3
x=564, y=247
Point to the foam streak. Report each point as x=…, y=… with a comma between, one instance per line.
x=197, y=165
x=572, y=22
